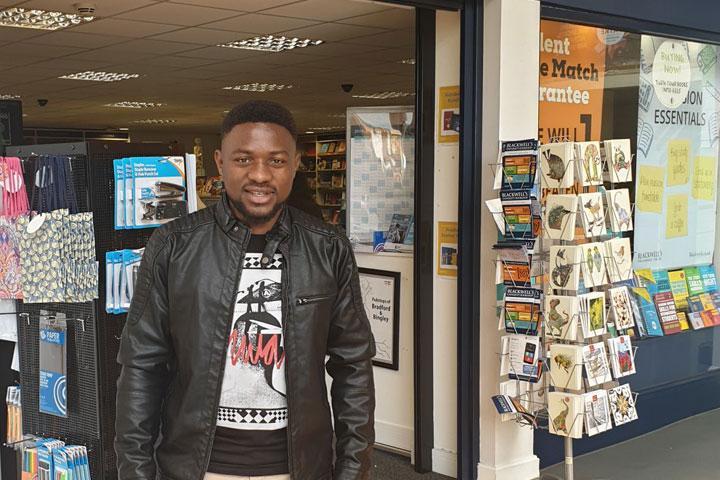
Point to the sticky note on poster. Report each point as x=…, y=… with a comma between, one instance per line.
x=650, y=185
x=703, y=183
x=676, y=220
x=678, y=162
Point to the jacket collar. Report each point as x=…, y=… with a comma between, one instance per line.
x=228, y=222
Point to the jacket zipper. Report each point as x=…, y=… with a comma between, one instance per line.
x=285, y=275
x=312, y=299
x=228, y=329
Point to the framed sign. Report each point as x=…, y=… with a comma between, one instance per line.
x=381, y=297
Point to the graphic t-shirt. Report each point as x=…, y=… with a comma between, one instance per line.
x=251, y=435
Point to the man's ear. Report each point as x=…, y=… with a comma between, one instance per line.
x=218, y=161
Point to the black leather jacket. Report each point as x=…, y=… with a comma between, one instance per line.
x=174, y=344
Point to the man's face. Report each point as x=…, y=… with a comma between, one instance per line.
x=258, y=162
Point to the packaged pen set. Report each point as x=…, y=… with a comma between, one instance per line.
x=121, y=268
x=50, y=459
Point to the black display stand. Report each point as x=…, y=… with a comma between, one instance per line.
x=93, y=335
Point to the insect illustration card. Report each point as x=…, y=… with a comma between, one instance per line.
x=618, y=259
x=593, y=264
x=556, y=165
x=565, y=413
x=589, y=163
x=560, y=215
x=622, y=405
x=592, y=314
x=619, y=160
x=566, y=366
x=561, y=317
x=596, y=363
x=619, y=210
x=597, y=412
x=592, y=213
x=564, y=267
x=621, y=356
x=621, y=308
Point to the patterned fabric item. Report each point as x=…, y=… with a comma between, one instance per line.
x=10, y=269
x=14, y=196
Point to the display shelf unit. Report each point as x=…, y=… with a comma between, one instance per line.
x=330, y=178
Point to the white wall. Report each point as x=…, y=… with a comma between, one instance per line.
x=510, y=112
x=210, y=142
x=447, y=73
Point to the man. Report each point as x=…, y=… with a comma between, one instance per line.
x=212, y=387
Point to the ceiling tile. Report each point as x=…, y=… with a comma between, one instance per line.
x=124, y=28
x=148, y=46
x=10, y=34
x=332, y=32
x=171, y=61
x=177, y=14
x=396, y=38
x=219, y=53
x=393, y=18
x=260, y=24
x=103, y=8
x=109, y=53
x=237, y=5
x=45, y=51
x=202, y=36
x=324, y=10
x=76, y=39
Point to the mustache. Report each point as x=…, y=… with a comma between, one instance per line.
x=261, y=186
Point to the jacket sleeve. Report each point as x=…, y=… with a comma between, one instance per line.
x=145, y=351
x=351, y=348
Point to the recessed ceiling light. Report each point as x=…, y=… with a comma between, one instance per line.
x=124, y=129
x=328, y=129
x=384, y=95
x=155, y=121
x=407, y=61
x=100, y=76
x=126, y=104
x=337, y=115
x=309, y=132
x=258, y=87
x=270, y=43
x=40, y=19
x=8, y=96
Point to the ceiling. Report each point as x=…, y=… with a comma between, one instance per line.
x=172, y=45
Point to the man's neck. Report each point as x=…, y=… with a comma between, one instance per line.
x=257, y=229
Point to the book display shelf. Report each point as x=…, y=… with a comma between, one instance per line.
x=323, y=164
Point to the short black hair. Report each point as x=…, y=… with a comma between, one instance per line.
x=259, y=111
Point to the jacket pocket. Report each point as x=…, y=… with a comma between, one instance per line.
x=308, y=299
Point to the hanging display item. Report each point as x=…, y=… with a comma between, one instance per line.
x=14, y=195
x=53, y=366
x=121, y=268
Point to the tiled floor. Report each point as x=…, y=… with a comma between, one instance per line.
x=389, y=466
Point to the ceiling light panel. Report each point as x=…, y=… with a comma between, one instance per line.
x=40, y=19
x=408, y=61
x=270, y=43
x=8, y=96
x=91, y=76
x=128, y=104
x=155, y=121
x=258, y=87
x=327, y=129
x=384, y=95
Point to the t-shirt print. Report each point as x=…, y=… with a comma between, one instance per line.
x=253, y=390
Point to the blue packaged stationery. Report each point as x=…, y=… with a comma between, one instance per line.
x=53, y=366
x=119, y=171
x=158, y=190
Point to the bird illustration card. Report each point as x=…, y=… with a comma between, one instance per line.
x=565, y=412
x=621, y=308
x=622, y=405
x=559, y=218
x=593, y=264
x=619, y=210
x=589, y=163
x=619, y=160
x=561, y=317
x=622, y=357
x=564, y=267
x=592, y=314
x=618, y=259
x=592, y=214
x=597, y=412
x=566, y=366
x=596, y=363
x=557, y=165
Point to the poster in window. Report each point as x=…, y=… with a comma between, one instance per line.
x=381, y=297
x=449, y=112
x=447, y=249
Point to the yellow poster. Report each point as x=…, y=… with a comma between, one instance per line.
x=572, y=78
x=447, y=249
x=676, y=220
x=678, y=162
x=449, y=114
x=650, y=185
x=703, y=184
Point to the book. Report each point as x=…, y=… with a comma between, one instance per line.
x=662, y=281
x=564, y=267
x=648, y=311
x=566, y=414
x=522, y=310
x=596, y=364
x=619, y=210
x=324, y=148
x=696, y=320
x=588, y=163
x=519, y=164
x=622, y=405
x=341, y=147
x=665, y=304
x=619, y=160
x=679, y=288
x=640, y=329
x=618, y=259
x=592, y=314
x=622, y=357
x=683, y=320
x=522, y=213
x=560, y=215
x=592, y=213
x=707, y=273
x=621, y=308
x=592, y=260
x=521, y=357
x=597, y=412
x=557, y=165
x=695, y=304
x=694, y=281
x=644, y=278
x=561, y=317
x=331, y=147
x=398, y=228
x=566, y=366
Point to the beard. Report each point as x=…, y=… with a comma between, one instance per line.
x=250, y=219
